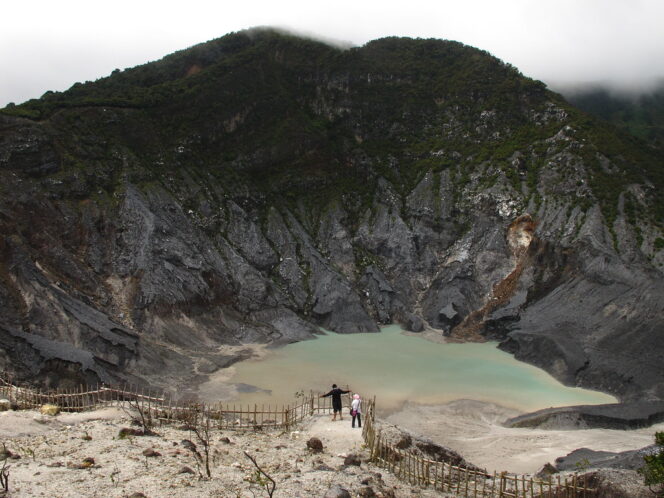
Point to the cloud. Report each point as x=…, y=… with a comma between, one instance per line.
x=46, y=45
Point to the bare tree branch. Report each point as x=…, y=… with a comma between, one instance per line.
x=269, y=484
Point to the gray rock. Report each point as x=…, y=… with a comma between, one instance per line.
x=337, y=491
x=584, y=458
x=315, y=445
x=406, y=441
x=366, y=492
x=546, y=471
x=621, y=416
x=414, y=323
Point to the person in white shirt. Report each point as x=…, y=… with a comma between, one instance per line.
x=356, y=410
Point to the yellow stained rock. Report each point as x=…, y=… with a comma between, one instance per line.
x=49, y=409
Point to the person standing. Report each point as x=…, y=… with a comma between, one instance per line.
x=356, y=410
x=336, y=400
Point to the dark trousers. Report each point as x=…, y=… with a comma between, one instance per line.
x=357, y=416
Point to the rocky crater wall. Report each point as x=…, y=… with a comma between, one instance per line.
x=149, y=241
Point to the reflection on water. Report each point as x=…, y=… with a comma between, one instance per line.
x=397, y=368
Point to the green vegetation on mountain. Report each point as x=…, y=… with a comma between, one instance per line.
x=306, y=122
x=640, y=114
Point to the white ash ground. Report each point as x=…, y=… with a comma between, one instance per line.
x=50, y=446
x=474, y=430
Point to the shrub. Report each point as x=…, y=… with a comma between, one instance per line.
x=653, y=470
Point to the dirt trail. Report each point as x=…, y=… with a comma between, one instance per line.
x=337, y=437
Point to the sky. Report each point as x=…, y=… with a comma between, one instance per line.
x=52, y=44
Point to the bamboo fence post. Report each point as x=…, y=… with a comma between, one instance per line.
x=410, y=468
x=493, y=484
x=414, y=465
x=402, y=465
x=423, y=472
x=449, y=479
x=406, y=463
x=484, y=479
x=400, y=462
x=466, y=483
x=566, y=487
x=516, y=485
x=475, y=474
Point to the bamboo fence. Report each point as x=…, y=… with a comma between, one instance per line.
x=442, y=476
x=161, y=408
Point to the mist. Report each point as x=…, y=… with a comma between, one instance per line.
x=47, y=45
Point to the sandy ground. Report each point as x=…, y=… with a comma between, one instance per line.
x=50, y=448
x=473, y=429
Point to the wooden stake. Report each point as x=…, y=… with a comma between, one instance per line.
x=466, y=484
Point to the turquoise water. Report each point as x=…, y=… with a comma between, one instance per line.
x=397, y=368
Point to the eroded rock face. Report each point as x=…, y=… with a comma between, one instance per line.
x=138, y=286
x=130, y=251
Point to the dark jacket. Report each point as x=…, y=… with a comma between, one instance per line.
x=336, y=397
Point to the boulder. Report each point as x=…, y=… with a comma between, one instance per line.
x=366, y=492
x=337, y=491
x=448, y=317
x=5, y=405
x=315, y=445
x=414, y=323
x=546, y=471
x=405, y=442
x=127, y=431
